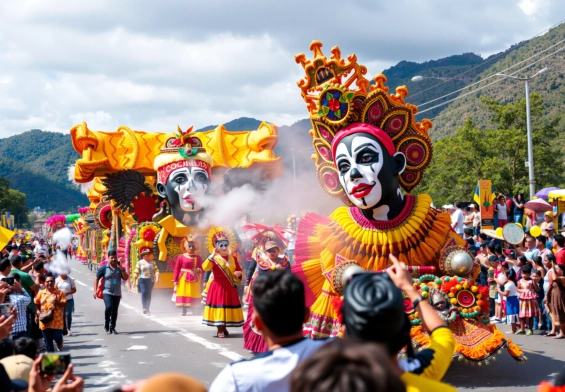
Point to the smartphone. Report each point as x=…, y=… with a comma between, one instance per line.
x=10, y=281
x=52, y=363
x=5, y=310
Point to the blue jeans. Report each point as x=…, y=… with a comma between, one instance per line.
x=50, y=335
x=518, y=218
x=145, y=287
x=111, y=302
x=69, y=309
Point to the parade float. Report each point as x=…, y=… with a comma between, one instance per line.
x=147, y=189
x=370, y=152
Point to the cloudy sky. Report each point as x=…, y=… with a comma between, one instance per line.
x=154, y=64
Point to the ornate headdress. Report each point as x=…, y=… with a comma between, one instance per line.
x=339, y=108
x=221, y=233
x=182, y=150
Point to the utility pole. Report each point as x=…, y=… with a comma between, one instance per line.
x=530, y=162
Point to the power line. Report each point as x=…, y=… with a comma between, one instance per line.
x=492, y=76
x=491, y=83
x=490, y=59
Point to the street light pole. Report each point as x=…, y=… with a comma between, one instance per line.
x=530, y=144
x=530, y=162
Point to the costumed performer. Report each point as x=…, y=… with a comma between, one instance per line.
x=270, y=242
x=223, y=307
x=367, y=147
x=188, y=277
x=147, y=274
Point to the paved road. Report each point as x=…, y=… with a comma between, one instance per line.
x=166, y=341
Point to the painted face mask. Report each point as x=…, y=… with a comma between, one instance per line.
x=189, y=185
x=359, y=162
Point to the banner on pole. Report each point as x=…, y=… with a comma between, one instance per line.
x=484, y=197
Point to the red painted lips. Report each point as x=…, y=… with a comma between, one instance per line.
x=362, y=190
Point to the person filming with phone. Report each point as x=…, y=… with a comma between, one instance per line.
x=112, y=273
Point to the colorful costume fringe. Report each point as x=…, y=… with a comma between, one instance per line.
x=474, y=341
x=223, y=307
x=417, y=236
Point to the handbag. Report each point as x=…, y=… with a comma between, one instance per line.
x=100, y=289
x=47, y=316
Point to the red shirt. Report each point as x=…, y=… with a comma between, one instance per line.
x=560, y=256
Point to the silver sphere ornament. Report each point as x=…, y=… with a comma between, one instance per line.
x=462, y=263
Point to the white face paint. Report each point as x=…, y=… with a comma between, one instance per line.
x=359, y=167
x=190, y=184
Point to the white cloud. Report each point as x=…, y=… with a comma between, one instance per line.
x=152, y=65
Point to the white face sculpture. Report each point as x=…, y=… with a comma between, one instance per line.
x=359, y=162
x=190, y=185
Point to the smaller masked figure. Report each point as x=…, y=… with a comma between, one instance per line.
x=442, y=306
x=223, y=307
x=267, y=256
x=188, y=277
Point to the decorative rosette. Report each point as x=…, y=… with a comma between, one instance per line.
x=103, y=215
x=337, y=95
x=146, y=235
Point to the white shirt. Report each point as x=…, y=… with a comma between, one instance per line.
x=268, y=372
x=502, y=213
x=65, y=285
x=291, y=240
x=477, y=219
x=511, y=288
x=41, y=249
x=457, y=219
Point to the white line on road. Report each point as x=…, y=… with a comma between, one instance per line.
x=188, y=335
x=79, y=282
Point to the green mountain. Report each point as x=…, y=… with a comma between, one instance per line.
x=549, y=85
x=36, y=164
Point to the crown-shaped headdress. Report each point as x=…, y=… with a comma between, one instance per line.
x=221, y=233
x=338, y=95
x=184, y=149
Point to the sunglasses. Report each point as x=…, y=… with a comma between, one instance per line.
x=272, y=250
x=49, y=281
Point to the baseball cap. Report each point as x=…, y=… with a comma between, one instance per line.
x=550, y=226
x=449, y=206
x=145, y=251
x=7, y=384
x=549, y=213
x=18, y=366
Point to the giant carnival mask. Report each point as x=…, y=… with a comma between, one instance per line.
x=183, y=176
x=368, y=170
x=367, y=143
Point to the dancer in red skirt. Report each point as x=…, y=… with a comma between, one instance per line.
x=223, y=308
x=270, y=241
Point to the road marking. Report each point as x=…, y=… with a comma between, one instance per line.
x=79, y=282
x=136, y=348
x=190, y=336
x=127, y=306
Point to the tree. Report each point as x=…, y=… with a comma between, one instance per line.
x=13, y=201
x=498, y=154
